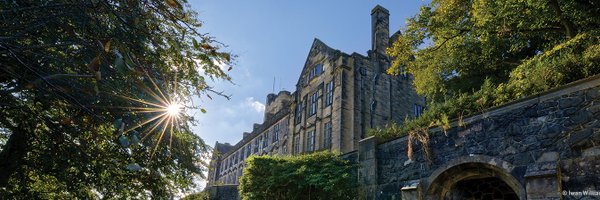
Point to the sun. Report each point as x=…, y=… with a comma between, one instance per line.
x=173, y=109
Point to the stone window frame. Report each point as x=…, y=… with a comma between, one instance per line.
x=313, y=103
x=276, y=130
x=260, y=143
x=229, y=162
x=329, y=93
x=315, y=71
x=265, y=139
x=310, y=140
x=256, y=145
x=298, y=113
x=327, y=134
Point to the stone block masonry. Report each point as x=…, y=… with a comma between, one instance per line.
x=542, y=147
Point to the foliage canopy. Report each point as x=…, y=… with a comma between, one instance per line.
x=453, y=46
x=321, y=175
x=77, y=77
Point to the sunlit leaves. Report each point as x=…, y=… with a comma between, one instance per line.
x=451, y=46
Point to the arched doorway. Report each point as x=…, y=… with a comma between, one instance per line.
x=474, y=179
x=481, y=188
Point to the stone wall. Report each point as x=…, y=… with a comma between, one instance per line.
x=539, y=146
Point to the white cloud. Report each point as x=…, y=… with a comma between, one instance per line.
x=256, y=105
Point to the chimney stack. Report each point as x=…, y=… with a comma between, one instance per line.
x=380, y=29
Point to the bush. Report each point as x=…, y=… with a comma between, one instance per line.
x=320, y=175
x=197, y=196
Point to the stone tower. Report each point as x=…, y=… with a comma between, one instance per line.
x=380, y=29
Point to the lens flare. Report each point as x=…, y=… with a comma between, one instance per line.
x=163, y=112
x=173, y=109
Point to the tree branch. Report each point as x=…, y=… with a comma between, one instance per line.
x=570, y=29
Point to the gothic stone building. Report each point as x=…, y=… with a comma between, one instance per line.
x=338, y=98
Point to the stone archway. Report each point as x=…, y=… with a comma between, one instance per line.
x=474, y=177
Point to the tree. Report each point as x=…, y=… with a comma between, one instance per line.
x=467, y=56
x=85, y=91
x=453, y=46
x=321, y=175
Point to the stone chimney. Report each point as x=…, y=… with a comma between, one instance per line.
x=380, y=29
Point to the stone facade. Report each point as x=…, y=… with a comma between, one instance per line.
x=542, y=147
x=338, y=97
x=268, y=138
x=545, y=146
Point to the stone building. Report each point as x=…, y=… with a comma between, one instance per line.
x=338, y=97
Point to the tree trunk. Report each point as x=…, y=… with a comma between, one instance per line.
x=13, y=154
x=570, y=29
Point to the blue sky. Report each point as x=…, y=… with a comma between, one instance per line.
x=272, y=40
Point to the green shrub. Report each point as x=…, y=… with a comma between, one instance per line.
x=320, y=175
x=197, y=196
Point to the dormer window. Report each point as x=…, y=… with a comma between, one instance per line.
x=316, y=71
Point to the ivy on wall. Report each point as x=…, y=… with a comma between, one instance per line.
x=320, y=175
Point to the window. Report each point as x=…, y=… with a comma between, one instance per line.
x=402, y=71
x=312, y=108
x=266, y=140
x=260, y=143
x=327, y=135
x=329, y=93
x=298, y=114
x=256, y=143
x=276, y=133
x=296, y=144
x=248, y=150
x=316, y=71
x=418, y=110
x=310, y=141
